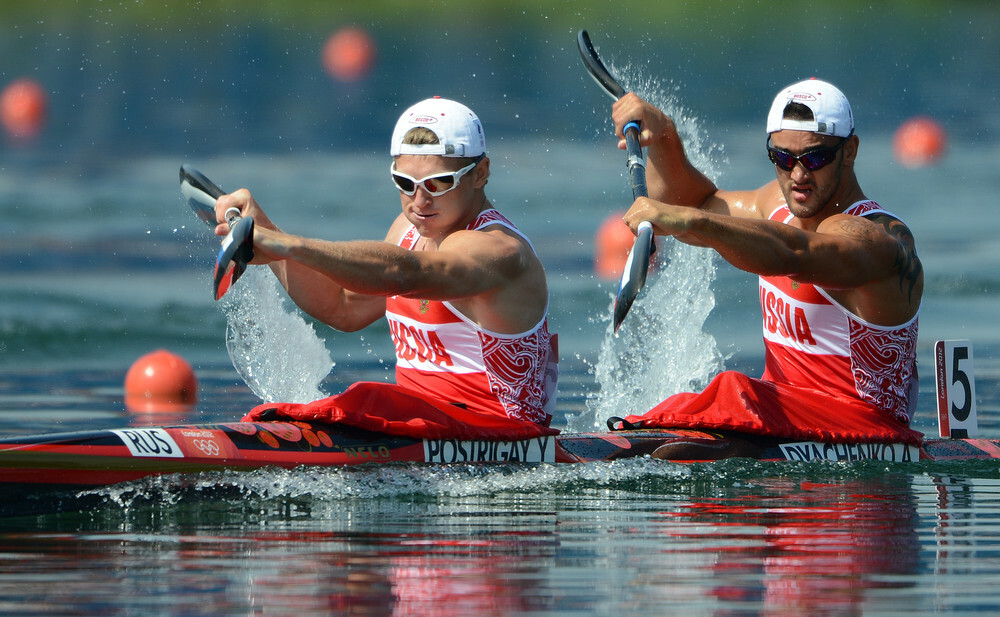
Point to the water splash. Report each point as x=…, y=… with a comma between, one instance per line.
x=661, y=348
x=322, y=488
x=278, y=354
x=344, y=493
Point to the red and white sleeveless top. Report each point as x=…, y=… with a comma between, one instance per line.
x=444, y=355
x=812, y=341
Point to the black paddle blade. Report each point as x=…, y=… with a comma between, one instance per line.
x=228, y=276
x=237, y=247
x=235, y=254
x=634, y=276
x=596, y=68
x=195, y=178
x=200, y=193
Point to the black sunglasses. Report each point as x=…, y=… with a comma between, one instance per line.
x=812, y=160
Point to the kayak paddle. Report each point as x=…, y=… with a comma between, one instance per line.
x=634, y=275
x=237, y=246
x=200, y=193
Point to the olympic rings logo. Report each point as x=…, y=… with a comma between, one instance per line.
x=207, y=446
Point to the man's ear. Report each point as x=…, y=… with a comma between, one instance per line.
x=481, y=174
x=851, y=149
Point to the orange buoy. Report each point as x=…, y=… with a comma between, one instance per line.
x=348, y=54
x=160, y=381
x=23, y=108
x=919, y=141
x=612, y=244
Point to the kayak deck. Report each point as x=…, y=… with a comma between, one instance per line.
x=62, y=462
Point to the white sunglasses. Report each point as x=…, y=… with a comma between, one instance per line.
x=435, y=184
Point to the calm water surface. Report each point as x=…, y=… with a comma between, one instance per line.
x=100, y=263
x=625, y=538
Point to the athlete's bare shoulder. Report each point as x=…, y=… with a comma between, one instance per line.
x=906, y=264
x=748, y=204
x=894, y=227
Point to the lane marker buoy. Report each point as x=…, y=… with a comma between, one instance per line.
x=23, y=108
x=349, y=54
x=918, y=142
x=612, y=244
x=160, y=381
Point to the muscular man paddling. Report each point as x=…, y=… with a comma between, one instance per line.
x=840, y=281
x=463, y=291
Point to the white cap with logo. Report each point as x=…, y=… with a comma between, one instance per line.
x=831, y=111
x=459, y=132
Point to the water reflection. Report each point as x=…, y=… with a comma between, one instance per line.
x=796, y=547
x=362, y=564
x=627, y=538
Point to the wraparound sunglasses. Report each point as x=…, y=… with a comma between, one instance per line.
x=817, y=158
x=435, y=184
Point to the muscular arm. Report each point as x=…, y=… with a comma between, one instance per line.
x=846, y=251
x=318, y=295
x=906, y=265
x=869, y=265
x=460, y=268
x=325, y=299
x=491, y=274
x=670, y=176
x=315, y=292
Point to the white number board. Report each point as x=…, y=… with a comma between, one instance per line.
x=956, y=389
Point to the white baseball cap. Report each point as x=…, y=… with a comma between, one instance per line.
x=459, y=132
x=831, y=111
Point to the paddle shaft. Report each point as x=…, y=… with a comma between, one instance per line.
x=636, y=163
x=634, y=274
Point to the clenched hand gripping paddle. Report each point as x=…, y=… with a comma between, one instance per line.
x=262, y=364
x=634, y=276
x=237, y=247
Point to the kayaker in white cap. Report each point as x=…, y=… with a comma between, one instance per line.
x=840, y=280
x=463, y=290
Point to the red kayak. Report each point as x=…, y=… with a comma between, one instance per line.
x=45, y=465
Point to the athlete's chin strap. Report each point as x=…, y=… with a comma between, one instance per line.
x=620, y=424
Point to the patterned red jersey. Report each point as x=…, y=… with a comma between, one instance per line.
x=442, y=354
x=810, y=340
